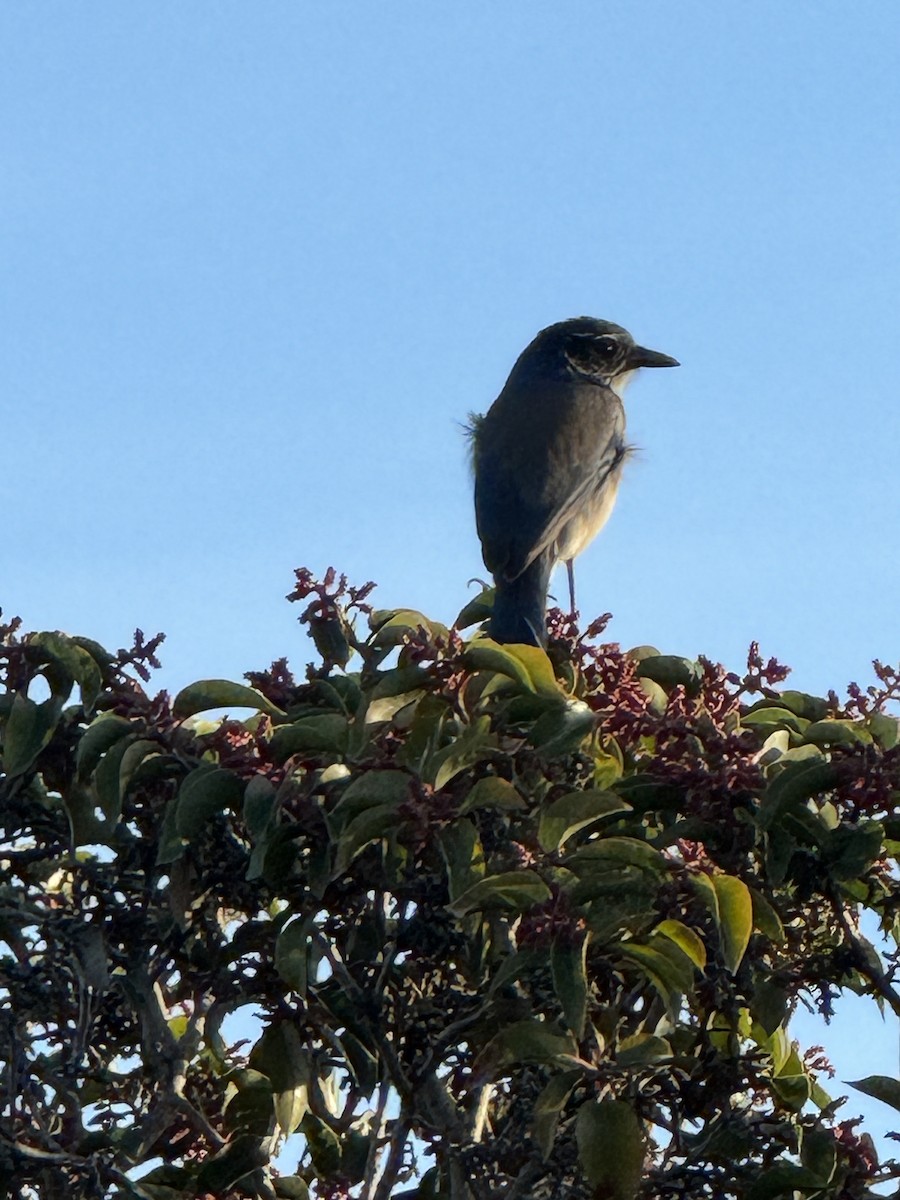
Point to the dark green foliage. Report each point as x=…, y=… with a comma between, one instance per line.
x=514, y=924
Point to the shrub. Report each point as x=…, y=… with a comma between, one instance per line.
x=514, y=923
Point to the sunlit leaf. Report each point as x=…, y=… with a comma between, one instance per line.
x=487, y=655
x=685, y=939
x=833, y=732
x=735, y=918
x=562, y=729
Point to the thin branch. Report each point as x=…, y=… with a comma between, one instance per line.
x=394, y=1162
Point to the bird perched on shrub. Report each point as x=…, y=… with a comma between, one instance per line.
x=548, y=456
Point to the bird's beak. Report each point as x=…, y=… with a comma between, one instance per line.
x=639, y=357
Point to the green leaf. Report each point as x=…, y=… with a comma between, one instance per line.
x=477, y=610
x=670, y=976
x=669, y=671
x=487, y=655
x=324, y=1145
x=354, y=1156
x=392, y=627
x=884, y=729
x=818, y=1152
x=170, y=844
x=784, y=1181
x=539, y=668
x=768, y=1005
x=685, y=939
x=239, y=1158
x=735, y=918
x=516, y=890
x=29, y=728
x=401, y=681
x=463, y=854
x=794, y=784
x=765, y=918
x=292, y=953
x=259, y=805
x=102, y=733
x=574, y=811
x=882, y=1087
x=136, y=753
x=281, y=1056
x=811, y=708
x=208, y=790
x=291, y=1187
x=568, y=962
x=621, y=850
x=220, y=693
x=74, y=664
x=642, y=1049
x=107, y=777
x=793, y=1090
x=331, y=635
x=529, y=1041
x=850, y=850
x=834, y=732
x=562, y=729
x=362, y=1062
x=369, y=826
x=370, y=789
x=322, y=733
x=467, y=748
x=492, y=792
x=611, y=1148
x=250, y=1109
x=548, y=1109
x=766, y=714
x=656, y=695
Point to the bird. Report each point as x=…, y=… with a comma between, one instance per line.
x=548, y=456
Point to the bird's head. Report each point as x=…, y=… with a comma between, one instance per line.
x=586, y=348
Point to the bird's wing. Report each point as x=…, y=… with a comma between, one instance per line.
x=538, y=463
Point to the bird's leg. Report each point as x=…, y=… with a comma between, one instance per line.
x=570, y=571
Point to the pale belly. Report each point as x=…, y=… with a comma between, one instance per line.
x=584, y=525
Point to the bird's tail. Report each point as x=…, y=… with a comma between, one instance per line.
x=520, y=605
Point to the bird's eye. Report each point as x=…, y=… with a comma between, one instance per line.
x=607, y=346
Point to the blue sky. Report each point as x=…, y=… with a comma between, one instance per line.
x=261, y=260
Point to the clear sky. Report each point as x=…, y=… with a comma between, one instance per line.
x=260, y=260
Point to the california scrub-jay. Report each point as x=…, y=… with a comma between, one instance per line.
x=548, y=456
